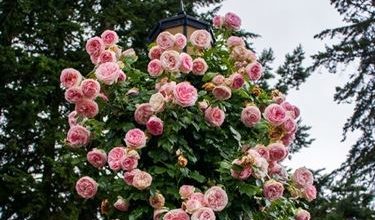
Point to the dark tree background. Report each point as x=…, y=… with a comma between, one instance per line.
x=39, y=38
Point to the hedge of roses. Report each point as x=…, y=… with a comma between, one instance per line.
x=193, y=138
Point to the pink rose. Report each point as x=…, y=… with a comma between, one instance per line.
x=261, y=165
x=87, y=108
x=185, y=94
x=95, y=58
x=167, y=90
x=216, y=198
x=142, y=180
x=70, y=77
x=237, y=80
x=155, y=52
x=143, y=113
x=274, y=114
x=289, y=125
x=129, y=176
x=302, y=214
x=234, y=41
x=159, y=212
x=135, y=138
x=154, y=68
x=232, y=21
x=97, y=158
x=72, y=118
x=157, y=201
x=222, y=92
x=291, y=109
x=273, y=190
x=180, y=41
x=240, y=53
x=302, y=177
x=157, y=102
x=309, y=193
x=176, y=214
x=254, y=71
x=200, y=197
x=109, y=37
x=165, y=40
x=288, y=139
x=218, y=79
x=129, y=163
x=108, y=73
x=186, y=191
x=199, y=66
x=262, y=151
x=78, y=136
x=203, y=105
x=73, y=94
x=275, y=170
x=277, y=151
x=244, y=174
x=201, y=39
x=121, y=204
x=218, y=21
x=90, y=88
x=107, y=56
x=115, y=156
x=95, y=46
x=86, y=187
x=250, y=116
x=203, y=213
x=214, y=116
x=192, y=205
x=170, y=60
x=186, y=63
x=155, y=126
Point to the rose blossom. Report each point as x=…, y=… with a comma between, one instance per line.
x=154, y=68
x=155, y=52
x=201, y=39
x=240, y=53
x=180, y=41
x=263, y=151
x=108, y=73
x=78, y=135
x=143, y=113
x=109, y=37
x=130, y=160
x=302, y=177
x=72, y=118
x=186, y=63
x=250, y=116
x=289, y=125
x=260, y=167
x=135, y=138
x=130, y=53
x=199, y=66
x=237, y=80
x=86, y=187
x=222, y=92
x=90, y=88
x=70, y=77
x=277, y=171
x=302, y=214
x=200, y=197
x=254, y=71
x=243, y=174
x=87, y=108
x=216, y=198
x=309, y=193
x=234, y=41
x=203, y=213
x=157, y=201
x=97, y=158
x=157, y=102
x=274, y=114
x=203, y=105
x=158, y=213
x=277, y=151
x=273, y=190
x=95, y=46
x=115, y=157
x=214, y=116
x=192, y=205
x=218, y=21
x=142, y=180
x=121, y=204
x=155, y=126
x=176, y=214
x=186, y=191
x=73, y=94
x=107, y=56
x=129, y=176
x=170, y=60
x=167, y=90
x=288, y=139
x=95, y=58
x=165, y=40
x=185, y=94
x=133, y=91
x=218, y=79
x=232, y=21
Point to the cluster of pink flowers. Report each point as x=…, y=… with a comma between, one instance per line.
x=250, y=164
x=302, y=186
x=230, y=21
x=200, y=206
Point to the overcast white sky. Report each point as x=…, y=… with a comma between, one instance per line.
x=283, y=25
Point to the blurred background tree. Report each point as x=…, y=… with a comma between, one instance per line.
x=38, y=39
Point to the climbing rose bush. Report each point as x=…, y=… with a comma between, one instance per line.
x=194, y=137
